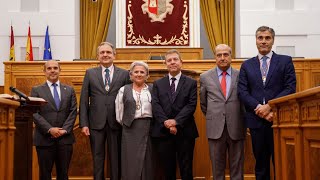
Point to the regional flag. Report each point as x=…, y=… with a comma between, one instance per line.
x=47, y=49
x=29, y=53
x=12, y=54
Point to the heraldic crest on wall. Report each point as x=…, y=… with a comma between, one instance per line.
x=157, y=23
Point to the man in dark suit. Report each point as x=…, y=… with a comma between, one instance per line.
x=53, y=135
x=224, y=115
x=262, y=78
x=173, y=128
x=97, y=111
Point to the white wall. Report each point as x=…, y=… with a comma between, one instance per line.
x=298, y=27
x=62, y=16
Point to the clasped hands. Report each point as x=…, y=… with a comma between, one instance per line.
x=57, y=132
x=171, y=125
x=264, y=111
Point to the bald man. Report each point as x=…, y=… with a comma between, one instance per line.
x=224, y=115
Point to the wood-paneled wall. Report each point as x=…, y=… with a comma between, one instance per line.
x=24, y=75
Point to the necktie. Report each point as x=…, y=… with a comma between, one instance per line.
x=107, y=79
x=172, y=86
x=56, y=95
x=224, y=83
x=264, y=69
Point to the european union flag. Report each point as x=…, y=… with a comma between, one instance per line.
x=47, y=49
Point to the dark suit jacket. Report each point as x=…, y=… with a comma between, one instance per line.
x=180, y=107
x=97, y=106
x=49, y=116
x=281, y=81
x=220, y=110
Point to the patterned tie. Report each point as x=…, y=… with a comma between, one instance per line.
x=264, y=69
x=107, y=79
x=56, y=95
x=224, y=83
x=172, y=86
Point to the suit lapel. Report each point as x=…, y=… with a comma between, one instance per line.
x=63, y=94
x=273, y=65
x=180, y=85
x=115, y=77
x=216, y=81
x=233, y=82
x=47, y=92
x=98, y=71
x=257, y=70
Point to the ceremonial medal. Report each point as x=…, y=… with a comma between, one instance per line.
x=107, y=87
x=138, y=107
x=264, y=79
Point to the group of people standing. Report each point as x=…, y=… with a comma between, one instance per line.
x=138, y=120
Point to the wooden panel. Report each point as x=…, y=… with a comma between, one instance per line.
x=7, y=128
x=146, y=53
x=24, y=75
x=296, y=135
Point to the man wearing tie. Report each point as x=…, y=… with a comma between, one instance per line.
x=97, y=111
x=262, y=78
x=53, y=135
x=173, y=128
x=224, y=115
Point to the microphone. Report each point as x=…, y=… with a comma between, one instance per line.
x=19, y=93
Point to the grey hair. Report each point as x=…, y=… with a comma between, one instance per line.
x=265, y=28
x=109, y=44
x=139, y=63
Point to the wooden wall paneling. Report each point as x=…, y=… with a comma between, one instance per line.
x=18, y=73
x=146, y=53
x=311, y=153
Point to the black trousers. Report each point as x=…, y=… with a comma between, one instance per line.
x=263, y=150
x=58, y=154
x=170, y=149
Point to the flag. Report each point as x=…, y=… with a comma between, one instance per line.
x=29, y=54
x=47, y=49
x=12, y=54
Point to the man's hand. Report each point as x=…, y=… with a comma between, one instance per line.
x=269, y=117
x=85, y=131
x=170, y=123
x=263, y=110
x=55, y=132
x=173, y=130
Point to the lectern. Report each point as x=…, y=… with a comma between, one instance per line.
x=7, y=130
x=297, y=135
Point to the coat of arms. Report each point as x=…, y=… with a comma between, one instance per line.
x=157, y=9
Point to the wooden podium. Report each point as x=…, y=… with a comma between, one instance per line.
x=296, y=128
x=7, y=137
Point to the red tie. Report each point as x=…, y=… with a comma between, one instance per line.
x=224, y=83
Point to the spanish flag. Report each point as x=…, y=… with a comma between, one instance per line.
x=29, y=54
x=12, y=54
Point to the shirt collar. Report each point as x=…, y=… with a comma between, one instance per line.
x=219, y=71
x=50, y=83
x=177, y=76
x=269, y=55
x=110, y=68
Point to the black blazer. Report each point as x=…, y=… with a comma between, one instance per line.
x=181, y=107
x=49, y=116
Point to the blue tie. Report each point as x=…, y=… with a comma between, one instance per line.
x=264, y=66
x=107, y=77
x=56, y=95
